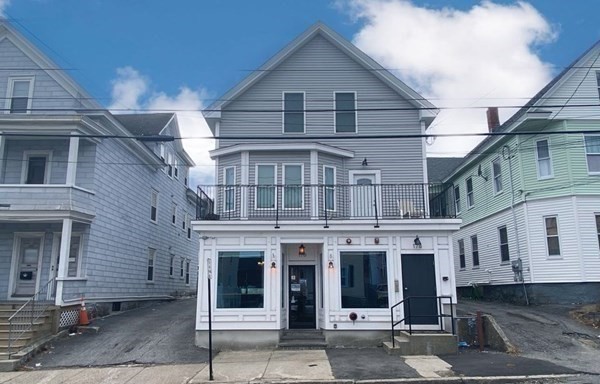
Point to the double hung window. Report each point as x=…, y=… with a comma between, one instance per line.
x=36, y=167
x=552, y=241
x=229, y=181
x=293, y=112
x=329, y=182
x=592, y=151
x=19, y=95
x=470, y=197
x=151, y=260
x=457, y=199
x=461, y=254
x=345, y=112
x=154, y=206
x=292, y=191
x=503, y=239
x=475, y=250
x=543, y=159
x=266, y=194
x=497, y=173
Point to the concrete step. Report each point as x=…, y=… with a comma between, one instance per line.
x=422, y=344
x=41, y=322
x=302, y=344
x=302, y=335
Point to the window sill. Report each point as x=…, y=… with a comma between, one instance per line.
x=150, y=282
x=154, y=222
x=75, y=278
x=505, y=262
x=557, y=257
x=498, y=193
x=542, y=178
x=476, y=267
x=462, y=269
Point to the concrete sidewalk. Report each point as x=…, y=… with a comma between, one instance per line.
x=319, y=366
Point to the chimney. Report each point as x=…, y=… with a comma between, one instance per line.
x=492, y=118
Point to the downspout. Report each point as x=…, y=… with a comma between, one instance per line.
x=514, y=217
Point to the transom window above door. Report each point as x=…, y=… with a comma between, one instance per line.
x=293, y=112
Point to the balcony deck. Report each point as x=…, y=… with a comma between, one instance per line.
x=325, y=202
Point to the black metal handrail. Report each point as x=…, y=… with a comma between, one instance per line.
x=407, y=319
x=325, y=202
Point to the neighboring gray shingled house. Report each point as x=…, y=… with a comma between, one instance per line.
x=105, y=219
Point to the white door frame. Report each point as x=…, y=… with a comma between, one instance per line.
x=367, y=172
x=15, y=262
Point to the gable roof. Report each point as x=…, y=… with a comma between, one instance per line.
x=438, y=168
x=516, y=119
x=145, y=124
x=43, y=61
x=428, y=111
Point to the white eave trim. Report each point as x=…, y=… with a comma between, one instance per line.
x=282, y=147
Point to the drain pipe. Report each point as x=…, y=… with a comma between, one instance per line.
x=514, y=216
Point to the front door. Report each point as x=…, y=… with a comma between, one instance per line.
x=418, y=279
x=302, y=297
x=28, y=257
x=364, y=195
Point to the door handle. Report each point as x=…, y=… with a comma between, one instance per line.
x=406, y=288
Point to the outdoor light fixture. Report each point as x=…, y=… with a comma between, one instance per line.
x=365, y=162
x=273, y=265
x=330, y=264
x=417, y=243
x=301, y=250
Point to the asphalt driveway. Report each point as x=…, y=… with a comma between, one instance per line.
x=160, y=333
x=545, y=332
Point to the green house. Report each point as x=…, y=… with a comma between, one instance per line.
x=530, y=199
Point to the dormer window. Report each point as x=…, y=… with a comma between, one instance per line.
x=293, y=112
x=19, y=94
x=345, y=112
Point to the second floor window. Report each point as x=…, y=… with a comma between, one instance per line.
x=457, y=199
x=552, y=241
x=36, y=167
x=504, y=250
x=229, y=181
x=154, y=206
x=497, y=173
x=543, y=159
x=20, y=95
x=470, y=198
x=265, y=190
x=345, y=112
x=292, y=191
x=475, y=250
x=293, y=112
x=461, y=254
x=172, y=265
x=598, y=228
x=592, y=151
x=151, y=259
x=174, y=214
x=329, y=181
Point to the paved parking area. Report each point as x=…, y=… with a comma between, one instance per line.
x=160, y=333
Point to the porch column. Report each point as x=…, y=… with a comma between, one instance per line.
x=314, y=181
x=244, y=178
x=72, y=161
x=2, y=145
x=63, y=258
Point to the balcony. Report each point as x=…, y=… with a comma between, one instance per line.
x=23, y=201
x=325, y=202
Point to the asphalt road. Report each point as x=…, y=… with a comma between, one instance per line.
x=545, y=332
x=367, y=363
x=160, y=333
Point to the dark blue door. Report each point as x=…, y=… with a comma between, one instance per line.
x=418, y=281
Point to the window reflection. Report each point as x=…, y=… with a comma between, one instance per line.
x=240, y=280
x=364, y=280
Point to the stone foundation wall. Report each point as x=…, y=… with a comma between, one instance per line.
x=550, y=293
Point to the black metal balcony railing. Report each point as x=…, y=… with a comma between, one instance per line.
x=325, y=202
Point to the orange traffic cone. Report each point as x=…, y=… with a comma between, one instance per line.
x=83, y=315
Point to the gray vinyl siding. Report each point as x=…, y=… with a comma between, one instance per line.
x=14, y=150
x=400, y=160
x=341, y=172
x=227, y=161
x=48, y=95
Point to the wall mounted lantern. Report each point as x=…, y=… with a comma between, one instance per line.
x=365, y=162
x=330, y=264
x=417, y=243
x=301, y=250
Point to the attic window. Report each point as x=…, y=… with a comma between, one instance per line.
x=345, y=112
x=19, y=95
x=293, y=112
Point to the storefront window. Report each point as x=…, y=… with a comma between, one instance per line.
x=240, y=280
x=364, y=280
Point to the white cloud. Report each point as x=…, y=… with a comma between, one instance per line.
x=3, y=5
x=484, y=56
x=131, y=91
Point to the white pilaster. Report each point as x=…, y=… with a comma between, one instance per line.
x=245, y=177
x=314, y=181
x=63, y=258
x=2, y=145
x=72, y=162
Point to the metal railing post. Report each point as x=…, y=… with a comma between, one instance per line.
x=277, y=195
x=409, y=318
x=376, y=213
x=439, y=300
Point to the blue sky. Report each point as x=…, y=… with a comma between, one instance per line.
x=151, y=54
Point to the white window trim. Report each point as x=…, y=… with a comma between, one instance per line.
x=496, y=191
x=181, y=268
x=172, y=265
x=472, y=200
x=185, y=217
x=264, y=252
x=473, y=265
x=457, y=202
x=503, y=262
x=227, y=187
x=9, y=91
x=30, y=153
x=588, y=154
x=537, y=160
x=560, y=254
x=331, y=188
x=56, y=249
x=274, y=165
x=187, y=273
x=283, y=112
x=283, y=166
x=175, y=167
x=188, y=233
x=152, y=193
x=150, y=249
x=174, y=214
x=461, y=267
x=355, y=113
